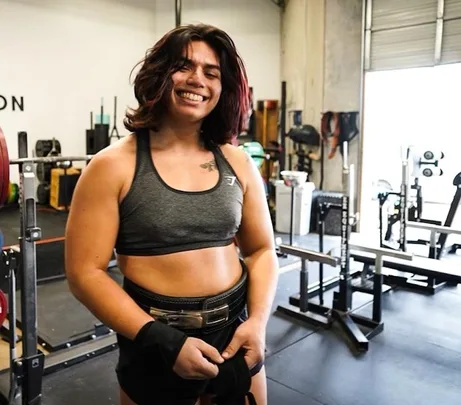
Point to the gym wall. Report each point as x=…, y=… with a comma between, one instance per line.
x=321, y=62
x=62, y=57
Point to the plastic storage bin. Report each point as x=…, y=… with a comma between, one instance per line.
x=301, y=209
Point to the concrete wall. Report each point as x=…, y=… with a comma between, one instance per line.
x=62, y=57
x=321, y=51
x=343, y=38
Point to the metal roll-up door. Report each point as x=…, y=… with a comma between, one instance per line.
x=412, y=33
x=451, y=37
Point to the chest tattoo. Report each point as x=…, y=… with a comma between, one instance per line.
x=210, y=166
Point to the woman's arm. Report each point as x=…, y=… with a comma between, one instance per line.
x=91, y=233
x=256, y=243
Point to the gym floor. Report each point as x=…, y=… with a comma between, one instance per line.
x=415, y=360
x=51, y=222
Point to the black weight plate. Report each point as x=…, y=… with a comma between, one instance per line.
x=44, y=172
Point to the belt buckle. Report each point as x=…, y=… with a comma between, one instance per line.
x=180, y=319
x=191, y=319
x=216, y=315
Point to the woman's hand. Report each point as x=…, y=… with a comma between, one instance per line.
x=197, y=360
x=251, y=336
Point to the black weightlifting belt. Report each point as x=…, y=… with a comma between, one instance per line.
x=194, y=314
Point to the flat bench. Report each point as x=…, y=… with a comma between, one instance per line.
x=422, y=266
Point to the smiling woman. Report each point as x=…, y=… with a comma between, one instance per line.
x=190, y=102
x=173, y=198
x=210, y=55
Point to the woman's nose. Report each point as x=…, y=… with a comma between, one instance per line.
x=196, y=78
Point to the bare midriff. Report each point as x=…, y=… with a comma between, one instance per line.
x=195, y=273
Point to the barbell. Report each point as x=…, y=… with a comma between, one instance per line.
x=5, y=163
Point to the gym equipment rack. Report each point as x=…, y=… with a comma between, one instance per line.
x=21, y=383
x=341, y=310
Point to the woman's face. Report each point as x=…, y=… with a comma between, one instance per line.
x=197, y=86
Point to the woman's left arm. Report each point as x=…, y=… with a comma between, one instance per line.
x=257, y=246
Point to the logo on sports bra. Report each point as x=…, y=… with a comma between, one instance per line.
x=230, y=180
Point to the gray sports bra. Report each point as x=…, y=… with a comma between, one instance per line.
x=157, y=219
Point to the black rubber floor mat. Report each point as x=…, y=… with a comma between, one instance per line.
x=87, y=383
x=62, y=319
x=51, y=222
x=430, y=319
x=283, y=331
x=278, y=394
x=415, y=360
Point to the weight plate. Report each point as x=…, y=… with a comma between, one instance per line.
x=43, y=194
x=43, y=148
x=3, y=307
x=4, y=170
x=44, y=172
x=10, y=193
x=15, y=196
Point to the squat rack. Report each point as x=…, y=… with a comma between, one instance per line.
x=21, y=383
x=341, y=309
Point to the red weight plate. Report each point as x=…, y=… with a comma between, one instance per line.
x=3, y=307
x=4, y=170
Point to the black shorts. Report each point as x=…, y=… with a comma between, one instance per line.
x=149, y=381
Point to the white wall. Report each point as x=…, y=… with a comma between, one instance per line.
x=64, y=56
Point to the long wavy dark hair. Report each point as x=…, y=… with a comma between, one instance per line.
x=153, y=82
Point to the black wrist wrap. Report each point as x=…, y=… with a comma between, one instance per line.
x=156, y=338
x=233, y=383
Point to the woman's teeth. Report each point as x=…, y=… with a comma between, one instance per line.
x=190, y=96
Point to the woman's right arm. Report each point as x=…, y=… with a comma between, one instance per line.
x=91, y=233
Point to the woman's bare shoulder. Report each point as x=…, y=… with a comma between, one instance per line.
x=240, y=162
x=114, y=162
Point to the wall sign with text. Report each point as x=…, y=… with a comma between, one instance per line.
x=11, y=103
